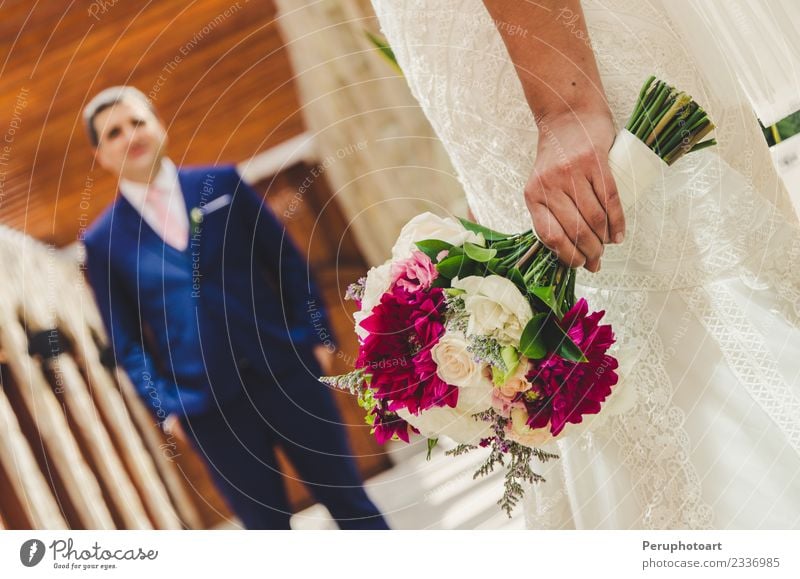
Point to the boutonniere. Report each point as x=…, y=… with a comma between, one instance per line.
x=197, y=214
x=196, y=218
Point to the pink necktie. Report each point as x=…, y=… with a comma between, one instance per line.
x=173, y=230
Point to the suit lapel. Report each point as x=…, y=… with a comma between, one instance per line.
x=190, y=190
x=142, y=235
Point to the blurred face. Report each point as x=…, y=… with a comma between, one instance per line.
x=131, y=140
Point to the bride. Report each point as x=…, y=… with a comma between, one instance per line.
x=700, y=278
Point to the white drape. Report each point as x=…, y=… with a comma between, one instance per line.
x=746, y=47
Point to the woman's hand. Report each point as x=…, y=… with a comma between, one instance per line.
x=571, y=194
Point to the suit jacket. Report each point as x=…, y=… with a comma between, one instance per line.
x=238, y=304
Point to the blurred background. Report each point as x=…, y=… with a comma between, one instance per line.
x=344, y=157
x=333, y=138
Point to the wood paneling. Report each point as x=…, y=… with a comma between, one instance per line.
x=215, y=69
x=218, y=73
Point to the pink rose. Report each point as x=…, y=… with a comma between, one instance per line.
x=503, y=404
x=414, y=273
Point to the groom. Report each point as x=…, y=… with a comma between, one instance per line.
x=193, y=256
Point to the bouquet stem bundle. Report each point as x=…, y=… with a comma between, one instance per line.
x=669, y=121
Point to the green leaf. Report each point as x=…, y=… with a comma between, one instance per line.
x=433, y=247
x=478, y=253
x=515, y=275
x=508, y=243
x=495, y=267
x=441, y=282
x=456, y=250
x=510, y=358
x=460, y=265
x=431, y=445
x=533, y=343
x=560, y=343
x=488, y=234
x=384, y=48
x=547, y=295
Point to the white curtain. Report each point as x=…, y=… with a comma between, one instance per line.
x=377, y=149
x=749, y=48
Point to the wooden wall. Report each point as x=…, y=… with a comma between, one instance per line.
x=216, y=70
x=218, y=73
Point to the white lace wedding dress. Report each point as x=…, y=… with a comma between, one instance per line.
x=704, y=294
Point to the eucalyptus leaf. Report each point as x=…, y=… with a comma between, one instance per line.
x=456, y=250
x=478, y=253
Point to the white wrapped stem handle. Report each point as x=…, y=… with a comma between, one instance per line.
x=635, y=167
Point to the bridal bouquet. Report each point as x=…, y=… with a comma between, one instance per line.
x=478, y=335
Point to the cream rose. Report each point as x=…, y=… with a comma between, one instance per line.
x=430, y=226
x=454, y=364
x=496, y=308
x=522, y=433
x=517, y=381
x=450, y=422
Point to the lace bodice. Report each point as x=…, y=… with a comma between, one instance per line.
x=460, y=72
x=718, y=215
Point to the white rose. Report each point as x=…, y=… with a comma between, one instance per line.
x=360, y=317
x=472, y=400
x=430, y=226
x=378, y=281
x=456, y=366
x=450, y=422
x=496, y=308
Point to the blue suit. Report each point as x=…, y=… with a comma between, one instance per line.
x=232, y=322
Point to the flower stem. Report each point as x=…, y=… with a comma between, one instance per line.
x=528, y=254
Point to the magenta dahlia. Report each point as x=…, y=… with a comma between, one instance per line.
x=403, y=328
x=563, y=391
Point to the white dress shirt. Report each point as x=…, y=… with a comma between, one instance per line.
x=166, y=180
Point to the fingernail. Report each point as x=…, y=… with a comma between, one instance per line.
x=619, y=238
